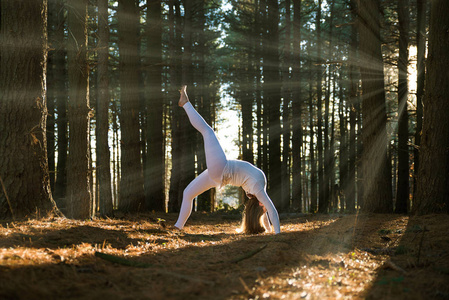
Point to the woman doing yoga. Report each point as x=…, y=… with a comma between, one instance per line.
x=259, y=209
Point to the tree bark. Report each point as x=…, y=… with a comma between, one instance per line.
x=24, y=176
x=175, y=193
x=155, y=162
x=272, y=92
x=353, y=102
x=432, y=186
x=420, y=69
x=103, y=153
x=376, y=166
x=78, y=173
x=131, y=183
x=297, y=110
x=402, y=192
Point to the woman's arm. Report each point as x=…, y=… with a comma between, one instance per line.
x=266, y=223
x=263, y=197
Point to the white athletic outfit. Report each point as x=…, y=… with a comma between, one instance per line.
x=221, y=172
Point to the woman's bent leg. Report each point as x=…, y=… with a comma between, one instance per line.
x=199, y=185
x=215, y=156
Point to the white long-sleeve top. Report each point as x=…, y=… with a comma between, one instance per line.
x=253, y=181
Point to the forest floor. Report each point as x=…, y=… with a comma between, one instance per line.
x=363, y=256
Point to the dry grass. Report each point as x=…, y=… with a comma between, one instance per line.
x=315, y=257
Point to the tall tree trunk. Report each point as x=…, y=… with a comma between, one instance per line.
x=78, y=172
x=313, y=178
x=432, y=190
x=51, y=90
x=131, y=184
x=102, y=129
x=61, y=96
x=155, y=162
x=286, y=123
x=402, y=193
x=420, y=68
x=204, y=103
x=353, y=103
x=188, y=133
x=319, y=91
x=376, y=167
x=272, y=91
x=297, y=109
x=24, y=177
x=175, y=193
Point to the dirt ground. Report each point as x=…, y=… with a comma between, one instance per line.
x=315, y=257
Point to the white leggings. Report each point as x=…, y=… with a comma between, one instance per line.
x=215, y=162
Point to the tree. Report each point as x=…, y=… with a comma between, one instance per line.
x=376, y=167
x=354, y=101
x=420, y=70
x=272, y=92
x=24, y=175
x=103, y=154
x=155, y=160
x=432, y=191
x=78, y=173
x=296, y=107
x=402, y=193
x=131, y=184
x=175, y=192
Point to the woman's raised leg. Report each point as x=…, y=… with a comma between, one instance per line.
x=215, y=156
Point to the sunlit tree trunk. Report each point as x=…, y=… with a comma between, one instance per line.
x=131, y=183
x=402, y=193
x=313, y=205
x=102, y=129
x=287, y=98
x=24, y=177
x=432, y=192
x=175, y=193
x=155, y=161
x=52, y=24
x=353, y=104
x=272, y=92
x=319, y=78
x=376, y=167
x=188, y=133
x=78, y=172
x=420, y=70
x=297, y=110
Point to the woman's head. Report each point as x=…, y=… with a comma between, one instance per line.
x=251, y=222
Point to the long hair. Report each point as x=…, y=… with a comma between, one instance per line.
x=252, y=214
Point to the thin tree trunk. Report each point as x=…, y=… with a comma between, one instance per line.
x=297, y=110
x=175, y=193
x=131, y=183
x=287, y=95
x=155, y=161
x=78, y=173
x=353, y=103
x=102, y=132
x=272, y=92
x=402, y=193
x=187, y=132
x=60, y=77
x=420, y=68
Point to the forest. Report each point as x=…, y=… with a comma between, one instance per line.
x=343, y=104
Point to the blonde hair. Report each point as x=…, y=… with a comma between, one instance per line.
x=251, y=221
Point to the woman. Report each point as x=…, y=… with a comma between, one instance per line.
x=221, y=172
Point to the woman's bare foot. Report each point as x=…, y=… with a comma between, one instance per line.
x=184, y=98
